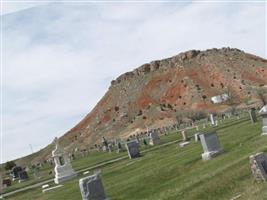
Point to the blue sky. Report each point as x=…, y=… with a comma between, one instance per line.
x=59, y=58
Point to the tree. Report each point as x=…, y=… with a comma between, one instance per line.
x=232, y=99
x=9, y=165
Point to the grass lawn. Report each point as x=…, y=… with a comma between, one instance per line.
x=172, y=173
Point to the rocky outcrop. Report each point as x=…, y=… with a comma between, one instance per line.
x=156, y=92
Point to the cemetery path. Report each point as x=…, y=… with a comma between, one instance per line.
x=85, y=169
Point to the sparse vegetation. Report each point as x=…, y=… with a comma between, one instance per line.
x=9, y=165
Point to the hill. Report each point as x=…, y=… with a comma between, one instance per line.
x=154, y=94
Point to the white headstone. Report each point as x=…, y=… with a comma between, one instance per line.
x=63, y=168
x=263, y=109
x=184, y=138
x=263, y=113
x=183, y=144
x=212, y=119
x=45, y=186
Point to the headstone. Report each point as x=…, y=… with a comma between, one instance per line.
x=258, y=164
x=252, y=114
x=183, y=144
x=197, y=129
x=104, y=144
x=15, y=172
x=110, y=148
x=86, y=172
x=92, y=188
x=119, y=147
x=145, y=142
x=212, y=120
x=154, y=138
x=23, y=175
x=63, y=168
x=216, y=123
x=197, y=138
x=136, y=138
x=6, y=182
x=263, y=113
x=36, y=173
x=45, y=186
x=104, y=148
x=204, y=126
x=133, y=149
x=51, y=188
x=210, y=144
x=184, y=137
x=98, y=148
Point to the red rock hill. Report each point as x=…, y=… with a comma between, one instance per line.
x=152, y=94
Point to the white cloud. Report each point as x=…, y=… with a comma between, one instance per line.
x=11, y=7
x=59, y=59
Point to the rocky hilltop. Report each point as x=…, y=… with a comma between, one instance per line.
x=153, y=94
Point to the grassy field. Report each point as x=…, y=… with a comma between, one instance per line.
x=171, y=172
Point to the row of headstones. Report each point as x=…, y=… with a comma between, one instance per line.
x=17, y=173
x=152, y=138
x=63, y=168
x=258, y=161
x=92, y=188
x=108, y=146
x=263, y=113
x=64, y=171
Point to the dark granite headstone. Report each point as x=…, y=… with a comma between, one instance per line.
x=252, y=114
x=15, y=172
x=133, y=149
x=6, y=182
x=23, y=175
x=210, y=144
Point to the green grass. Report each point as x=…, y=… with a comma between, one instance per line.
x=172, y=173
x=91, y=159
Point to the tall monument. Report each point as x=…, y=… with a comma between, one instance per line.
x=63, y=168
x=263, y=113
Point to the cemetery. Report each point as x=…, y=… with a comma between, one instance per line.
x=226, y=161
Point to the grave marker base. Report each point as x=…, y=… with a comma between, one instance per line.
x=210, y=155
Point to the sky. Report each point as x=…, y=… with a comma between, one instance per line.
x=58, y=59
